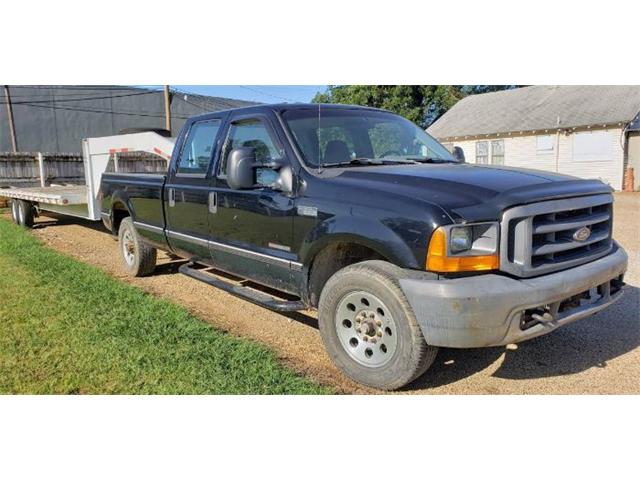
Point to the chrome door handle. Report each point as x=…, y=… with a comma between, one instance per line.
x=172, y=197
x=213, y=202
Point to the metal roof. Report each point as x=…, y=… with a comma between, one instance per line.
x=538, y=108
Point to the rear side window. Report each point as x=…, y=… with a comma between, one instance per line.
x=198, y=148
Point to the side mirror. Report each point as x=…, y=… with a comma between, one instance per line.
x=241, y=168
x=458, y=154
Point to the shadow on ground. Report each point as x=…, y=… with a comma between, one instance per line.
x=588, y=343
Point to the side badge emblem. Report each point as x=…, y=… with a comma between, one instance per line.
x=305, y=211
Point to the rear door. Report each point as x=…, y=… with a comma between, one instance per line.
x=252, y=230
x=188, y=195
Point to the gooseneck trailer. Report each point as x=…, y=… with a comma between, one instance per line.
x=83, y=201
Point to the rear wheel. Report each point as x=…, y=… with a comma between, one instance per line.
x=138, y=258
x=369, y=329
x=14, y=211
x=25, y=214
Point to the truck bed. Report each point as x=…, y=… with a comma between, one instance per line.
x=53, y=195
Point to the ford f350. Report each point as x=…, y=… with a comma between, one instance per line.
x=401, y=246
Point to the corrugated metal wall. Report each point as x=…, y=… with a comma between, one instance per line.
x=56, y=118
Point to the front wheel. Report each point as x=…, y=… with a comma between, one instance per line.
x=138, y=258
x=369, y=329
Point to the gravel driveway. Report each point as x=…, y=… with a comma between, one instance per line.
x=600, y=354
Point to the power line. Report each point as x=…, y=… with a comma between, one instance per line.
x=212, y=100
x=78, y=87
x=56, y=100
x=87, y=110
x=255, y=90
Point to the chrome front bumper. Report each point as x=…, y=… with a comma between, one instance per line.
x=489, y=310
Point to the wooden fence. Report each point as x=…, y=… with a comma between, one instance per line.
x=26, y=169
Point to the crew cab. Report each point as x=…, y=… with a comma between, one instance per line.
x=401, y=246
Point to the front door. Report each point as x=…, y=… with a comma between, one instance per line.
x=252, y=231
x=188, y=191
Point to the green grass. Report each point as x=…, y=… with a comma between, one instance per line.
x=67, y=327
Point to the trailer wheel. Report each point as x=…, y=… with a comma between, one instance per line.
x=14, y=212
x=25, y=213
x=369, y=328
x=138, y=258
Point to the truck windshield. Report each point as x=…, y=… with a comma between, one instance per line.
x=341, y=137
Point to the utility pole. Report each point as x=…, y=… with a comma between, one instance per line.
x=167, y=108
x=12, y=126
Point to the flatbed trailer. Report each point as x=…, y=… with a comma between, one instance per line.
x=82, y=200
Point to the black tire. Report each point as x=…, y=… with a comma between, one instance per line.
x=14, y=212
x=411, y=357
x=25, y=214
x=141, y=258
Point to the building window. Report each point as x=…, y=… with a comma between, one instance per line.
x=544, y=144
x=497, y=152
x=592, y=146
x=482, y=152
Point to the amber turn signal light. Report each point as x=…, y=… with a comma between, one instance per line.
x=438, y=261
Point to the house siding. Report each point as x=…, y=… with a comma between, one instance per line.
x=521, y=151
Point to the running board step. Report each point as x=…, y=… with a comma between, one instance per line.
x=247, y=293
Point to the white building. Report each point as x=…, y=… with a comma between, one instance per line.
x=586, y=131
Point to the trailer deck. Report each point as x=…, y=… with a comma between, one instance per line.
x=54, y=195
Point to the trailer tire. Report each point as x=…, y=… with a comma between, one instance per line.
x=369, y=329
x=25, y=214
x=138, y=258
x=14, y=212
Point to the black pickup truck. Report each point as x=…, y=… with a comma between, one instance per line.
x=400, y=245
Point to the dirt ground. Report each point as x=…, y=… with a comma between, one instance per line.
x=600, y=354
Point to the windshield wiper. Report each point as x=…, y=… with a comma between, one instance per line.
x=431, y=160
x=368, y=161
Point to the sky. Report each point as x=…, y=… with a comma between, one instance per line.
x=256, y=93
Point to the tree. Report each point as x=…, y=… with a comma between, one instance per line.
x=422, y=104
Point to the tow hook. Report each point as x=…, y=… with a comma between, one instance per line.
x=534, y=316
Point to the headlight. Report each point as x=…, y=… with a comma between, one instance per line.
x=461, y=239
x=463, y=248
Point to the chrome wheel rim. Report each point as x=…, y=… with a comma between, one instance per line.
x=14, y=212
x=366, y=330
x=128, y=247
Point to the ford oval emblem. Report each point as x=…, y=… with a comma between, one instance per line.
x=582, y=234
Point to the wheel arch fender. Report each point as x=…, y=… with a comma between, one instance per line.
x=369, y=233
x=119, y=203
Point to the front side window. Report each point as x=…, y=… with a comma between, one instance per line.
x=335, y=136
x=198, y=148
x=251, y=133
x=482, y=152
x=497, y=152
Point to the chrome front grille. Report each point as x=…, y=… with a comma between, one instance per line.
x=539, y=238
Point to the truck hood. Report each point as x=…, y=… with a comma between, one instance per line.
x=468, y=192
